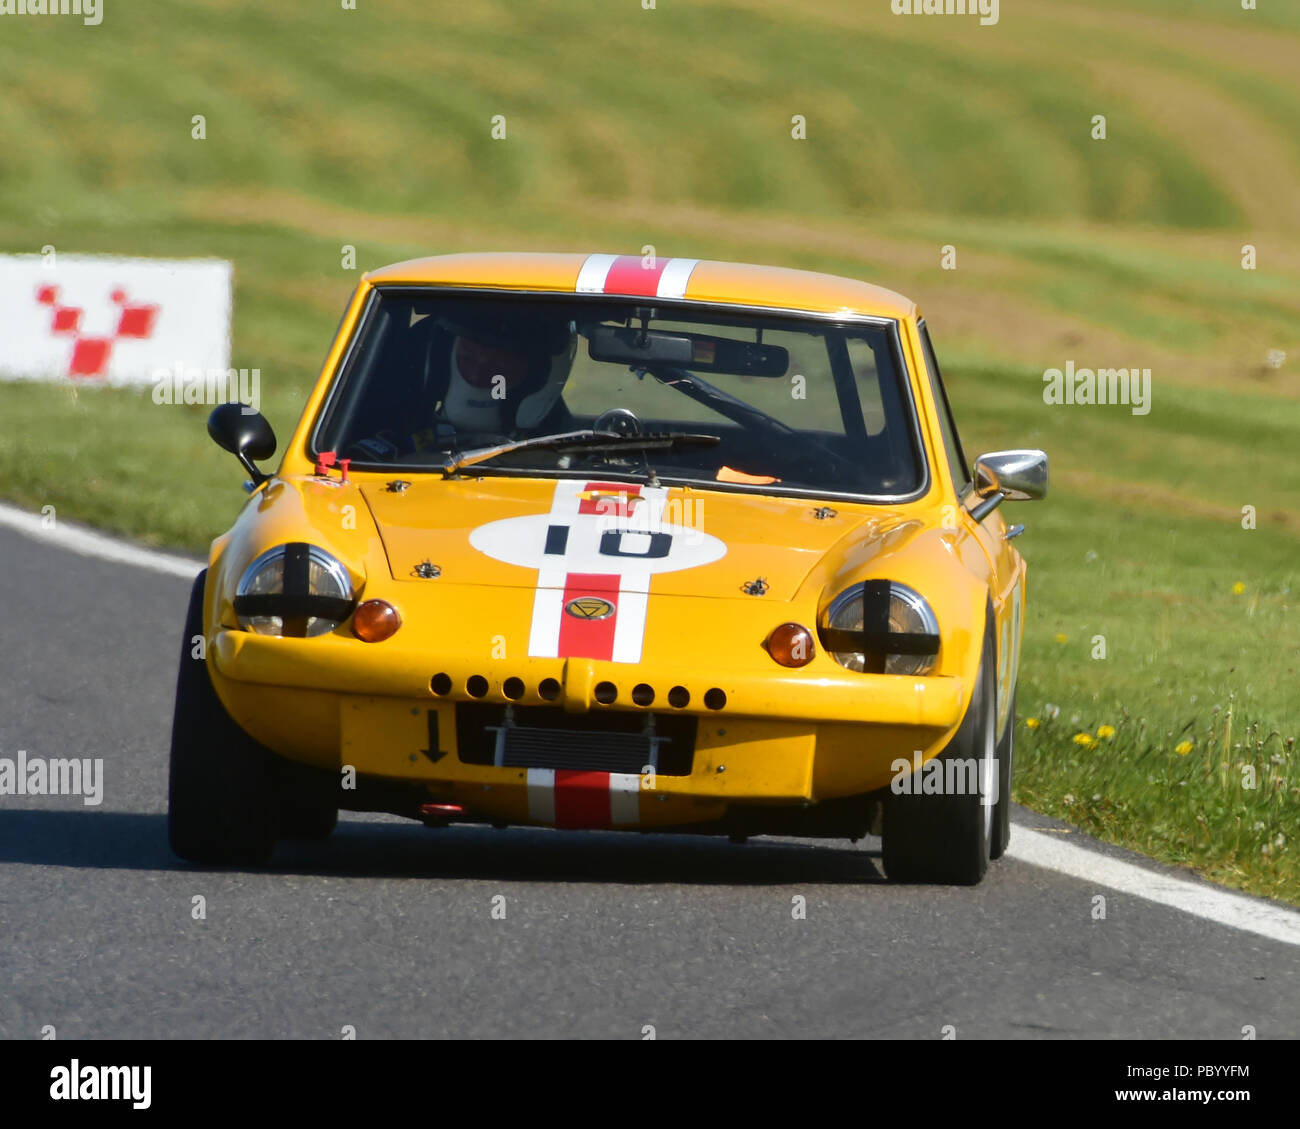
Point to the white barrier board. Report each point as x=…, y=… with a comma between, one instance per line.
x=109, y=320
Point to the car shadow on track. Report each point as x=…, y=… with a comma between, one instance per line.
x=364, y=848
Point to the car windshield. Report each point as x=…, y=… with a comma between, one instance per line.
x=753, y=400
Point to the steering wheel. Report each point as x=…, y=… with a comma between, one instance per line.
x=621, y=421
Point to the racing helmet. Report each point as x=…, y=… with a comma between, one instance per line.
x=505, y=373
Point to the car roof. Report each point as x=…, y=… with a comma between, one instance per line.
x=742, y=284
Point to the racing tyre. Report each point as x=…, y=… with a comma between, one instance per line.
x=1002, y=811
x=947, y=838
x=302, y=818
x=221, y=792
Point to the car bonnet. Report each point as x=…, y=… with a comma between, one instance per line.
x=539, y=533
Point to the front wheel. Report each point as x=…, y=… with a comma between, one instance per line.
x=1002, y=811
x=306, y=817
x=942, y=830
x=222, y=804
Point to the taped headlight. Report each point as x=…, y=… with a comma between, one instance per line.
x=295, y=590
x=881, y=627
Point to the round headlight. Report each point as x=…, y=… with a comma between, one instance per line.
x=296, y=590
x=909, y=644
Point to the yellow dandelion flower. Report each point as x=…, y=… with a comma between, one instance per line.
x=1183, y=748
x=1085, y=739
x=1238, y=588
x=1032, y=722
x=1106, y=731
x=1061, y=637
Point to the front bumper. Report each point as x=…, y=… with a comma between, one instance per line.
x=764, y=736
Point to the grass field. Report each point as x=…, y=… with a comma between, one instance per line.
x=672, y=127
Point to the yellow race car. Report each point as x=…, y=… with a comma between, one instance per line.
x=598, y=541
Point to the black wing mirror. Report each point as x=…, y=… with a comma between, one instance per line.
x=245, y=434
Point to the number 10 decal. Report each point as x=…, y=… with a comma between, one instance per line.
x=613, y=544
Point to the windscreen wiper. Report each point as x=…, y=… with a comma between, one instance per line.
x=580, y=441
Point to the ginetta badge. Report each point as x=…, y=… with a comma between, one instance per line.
x=589, y=607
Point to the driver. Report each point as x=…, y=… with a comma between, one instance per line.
x=505, y=378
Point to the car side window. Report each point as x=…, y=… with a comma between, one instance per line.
x=952, y=444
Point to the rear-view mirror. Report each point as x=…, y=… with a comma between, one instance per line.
x=697, y=352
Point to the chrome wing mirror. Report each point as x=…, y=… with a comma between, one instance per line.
x=1016, y=476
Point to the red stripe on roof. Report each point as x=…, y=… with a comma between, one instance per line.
x=630, y=275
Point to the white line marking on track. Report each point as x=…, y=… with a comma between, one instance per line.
x=1237, y=911
x=87, y=543
x=1037, y=848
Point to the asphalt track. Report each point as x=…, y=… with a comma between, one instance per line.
x=389, y=928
